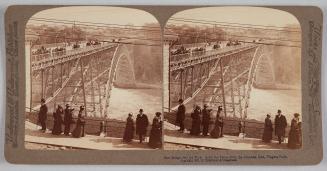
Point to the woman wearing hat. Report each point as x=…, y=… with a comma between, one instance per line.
x=155, y=140
x=80, y=124
x=196, y=121
x=129, y=129
x=57, y=118
x=294, y=138
x=68, y=119
x=268, y=130
x=206, y=119
x=216, y=132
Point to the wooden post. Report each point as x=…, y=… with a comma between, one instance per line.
x=83, y=88
x=222, y=85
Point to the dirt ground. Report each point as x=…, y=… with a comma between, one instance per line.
x=36, y=146
x=172, y=146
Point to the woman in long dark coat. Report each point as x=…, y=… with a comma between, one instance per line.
x=79, y=129
x=57, y=118
x=196, y=121
x=155, y=140
x=217, y=130
x=268, y=130
x=294, y=138
x=129, y=129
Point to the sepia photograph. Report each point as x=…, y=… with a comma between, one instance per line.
x=233, y=79
x=163, y=84
x=93, y=79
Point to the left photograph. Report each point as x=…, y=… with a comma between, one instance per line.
x=93, y=79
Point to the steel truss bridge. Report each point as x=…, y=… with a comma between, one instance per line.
x=222, y=77
x=83, y=76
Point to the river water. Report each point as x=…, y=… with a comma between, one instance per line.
x=263, y=101
x=123, y=101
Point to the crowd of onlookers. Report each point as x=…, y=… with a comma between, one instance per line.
x=201, y=118
x=64, y=118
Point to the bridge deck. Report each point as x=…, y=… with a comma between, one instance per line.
x=88, y=142
x=182, y=61
x=227, y=142
x=38, y=63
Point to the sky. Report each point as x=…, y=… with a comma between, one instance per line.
x=242, y=15
x=98, y=14
x=119, y=15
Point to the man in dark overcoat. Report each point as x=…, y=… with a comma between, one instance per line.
x=205, y=120
x=42, y=117
x=68, y=119
x=142, y=123
x=280, y=125
x=180, y=115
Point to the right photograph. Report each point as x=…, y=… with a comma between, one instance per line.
x=234, y=80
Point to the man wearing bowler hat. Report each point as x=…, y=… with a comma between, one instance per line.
x=280, y=125
x=43, y=115
x=142, y=123
x=180, y=115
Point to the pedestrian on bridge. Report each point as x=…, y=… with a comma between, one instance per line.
x=196, y=121
x=68, y=119
x=180, y=115
x=42, y=117
x=268, y=130
x=280, y=125
x=57, y=118
x=142, y=123
x=129, y=129
x=155, y=140
x=205, y=120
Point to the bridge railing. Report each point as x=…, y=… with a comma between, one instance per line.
x=48, y=55
x=180, y=57
x=207, y=56
x=43, y=60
